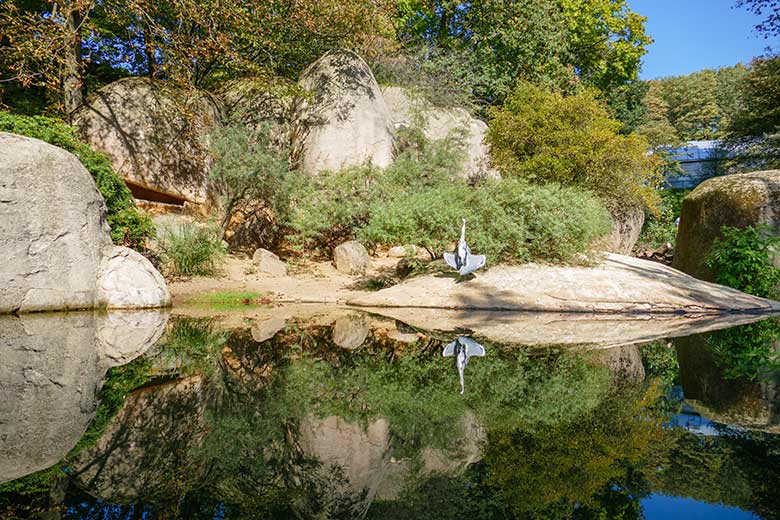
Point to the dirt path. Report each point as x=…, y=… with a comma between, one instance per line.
x=313, y=282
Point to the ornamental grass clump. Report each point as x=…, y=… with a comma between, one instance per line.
x=190, y=249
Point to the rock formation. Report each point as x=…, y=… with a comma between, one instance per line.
x=351, y=258
x=56, y=252
x=346, y=120
x=51, y=367
x=153, y=134
x=620, y=284
x=626, y=226
x=741, y=200
x=440, y=123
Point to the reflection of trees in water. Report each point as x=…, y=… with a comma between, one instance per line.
x=564, y=439
x=736, y=469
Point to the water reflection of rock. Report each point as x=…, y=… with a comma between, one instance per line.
x=51, y=368
x=147, y=451
x=753, y=405
x=547, y=328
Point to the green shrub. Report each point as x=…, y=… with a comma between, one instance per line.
x=190, y=249
x=742, y=259
x=333, y=206
x=418, y=200
x=545, y=137
x=510, y=221
x=249, y=175
x=128, y=226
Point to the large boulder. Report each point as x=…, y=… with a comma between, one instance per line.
x=619, y=284
x=741, y=200
x=408, y=110
x=154, y=136
x=57, y=253
x=346, y=121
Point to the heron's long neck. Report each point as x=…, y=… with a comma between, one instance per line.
x=463, y=232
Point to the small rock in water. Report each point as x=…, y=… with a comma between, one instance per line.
x=351, y=258
x=269, y=263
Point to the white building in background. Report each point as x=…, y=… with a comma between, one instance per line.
x=699, y=160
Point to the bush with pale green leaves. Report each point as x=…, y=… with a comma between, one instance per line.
x=418, y=200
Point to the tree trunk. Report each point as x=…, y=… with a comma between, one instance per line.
x=151, y=62
x=71, y=81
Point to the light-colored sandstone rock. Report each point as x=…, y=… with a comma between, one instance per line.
x=346, y=121
x=619, y=284
x=351, y=258
x=269, y=263
x=741, y=200
x=362, y=455
x=625, y=362
x=350, y=331
x=153, y=134
x=626, y=225
x=57, y=253
x=407, y=110
x=402, y=251
x=51, y=368
x=52, y=228
x=127, y=280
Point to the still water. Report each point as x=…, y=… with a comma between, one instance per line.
x=337, y=414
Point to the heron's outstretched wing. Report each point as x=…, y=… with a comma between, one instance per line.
x=450, y=259
x=472, y=347
x=449, y=350
x=473, y=262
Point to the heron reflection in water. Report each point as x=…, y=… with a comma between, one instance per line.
x=463, y=348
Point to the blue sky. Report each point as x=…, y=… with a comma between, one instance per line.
x=691, y=35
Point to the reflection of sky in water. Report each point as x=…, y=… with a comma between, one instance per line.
x=662, y=507
x=690, y=419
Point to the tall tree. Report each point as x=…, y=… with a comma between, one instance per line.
x=607, y=41
x=657, y=128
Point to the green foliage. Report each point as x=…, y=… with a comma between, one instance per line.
x=753, y=133
x=606, y=40
x=546, y=137
x=626, y=104
x=569, y=465
x=742, y=259
x=417, y=201
x=128, y=226
x=500, y=42
x=660, y=228
x=660, y=360
x=701, y=105
x=485, y=46
x=190, y=249
x=249, y=175
x=748, y=351
x=193, y=344
x=511, y=221
x=228, y=300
